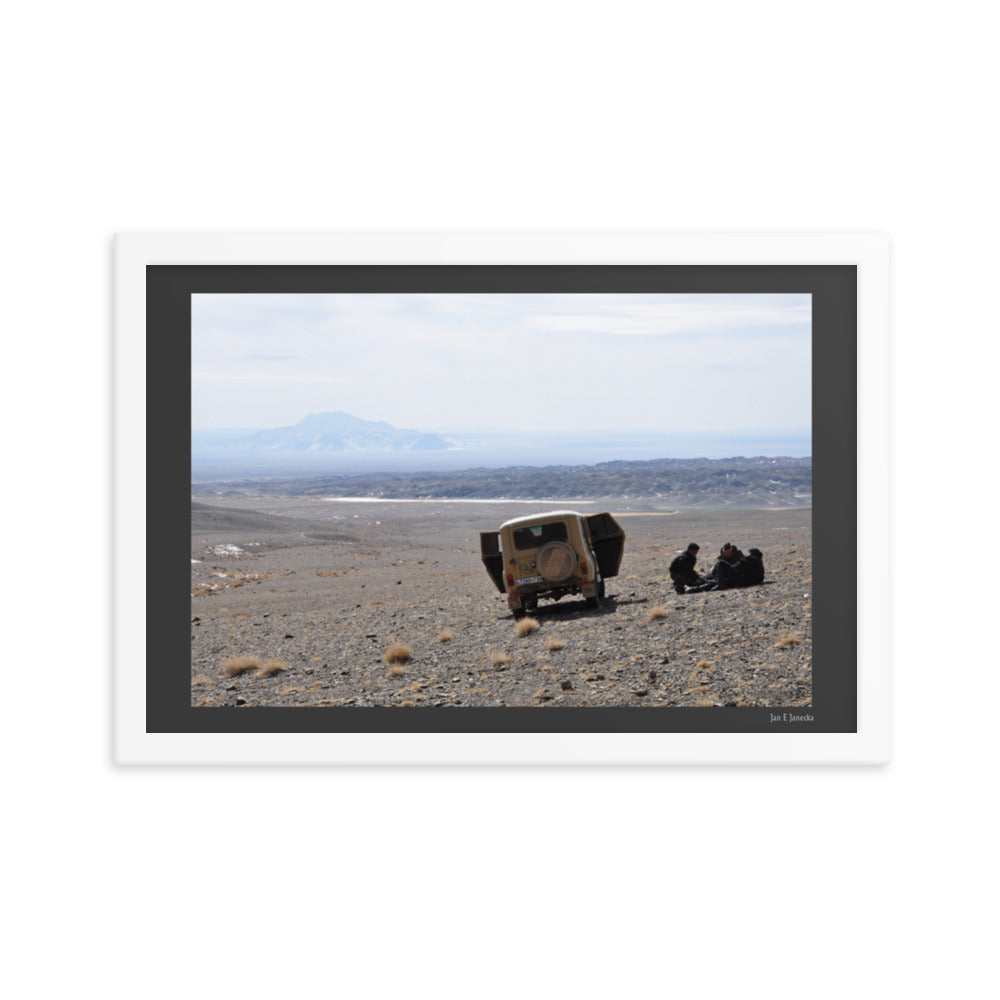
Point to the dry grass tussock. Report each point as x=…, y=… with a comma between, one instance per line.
x=445, y=635
x=657, y=612
x=398, y=652
x=526, y=626
x=241, y=665
x=552, y=645
x=789, y=640
x=397, y=670
x=272, y=667
x=498, y=659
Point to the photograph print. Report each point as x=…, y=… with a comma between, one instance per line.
x=563, y=509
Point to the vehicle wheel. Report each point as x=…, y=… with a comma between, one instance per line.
x=531, y=605
x=555, y=562
x=595, y=601
x=600, y=589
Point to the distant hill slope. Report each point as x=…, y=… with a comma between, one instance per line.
x=730, y=482
x=321, y=432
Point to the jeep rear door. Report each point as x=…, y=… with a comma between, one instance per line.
x=609, y=543
x=489, y=545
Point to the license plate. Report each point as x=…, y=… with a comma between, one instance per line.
x=528, y=579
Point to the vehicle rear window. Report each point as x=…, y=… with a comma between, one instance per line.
x=542, y=534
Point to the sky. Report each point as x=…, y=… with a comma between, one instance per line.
x=653, y=363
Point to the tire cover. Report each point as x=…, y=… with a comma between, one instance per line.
x=555, y=561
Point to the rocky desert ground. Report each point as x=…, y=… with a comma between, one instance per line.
x=316, y=602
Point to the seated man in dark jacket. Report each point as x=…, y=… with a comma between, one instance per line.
x=751, y=568
x=730, y=553
x=724, y=571
x=682, y=570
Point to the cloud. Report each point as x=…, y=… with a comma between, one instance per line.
x=675, y=315
x=417, y=360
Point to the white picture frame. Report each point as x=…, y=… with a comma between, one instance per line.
x=135, y=743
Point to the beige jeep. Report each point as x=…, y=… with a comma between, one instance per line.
x=551, y=555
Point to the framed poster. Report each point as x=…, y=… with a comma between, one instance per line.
x=501, y=498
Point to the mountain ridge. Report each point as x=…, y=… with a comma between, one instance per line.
x=333, y=431
x=756, y=482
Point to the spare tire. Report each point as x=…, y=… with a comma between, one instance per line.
x=555, y=562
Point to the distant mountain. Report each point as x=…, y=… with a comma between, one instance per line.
x=322, y=433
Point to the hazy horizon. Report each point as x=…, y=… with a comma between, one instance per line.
x=213, y=459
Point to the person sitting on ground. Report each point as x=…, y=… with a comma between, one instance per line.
x=730, y=553
x=724, y=574
x=751, y=568
x=682, y=570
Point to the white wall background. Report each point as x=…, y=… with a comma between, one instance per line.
x=300, y=883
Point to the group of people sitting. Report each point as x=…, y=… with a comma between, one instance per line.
x=731, y=569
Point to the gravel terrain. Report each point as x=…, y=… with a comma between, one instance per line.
x=308, y=596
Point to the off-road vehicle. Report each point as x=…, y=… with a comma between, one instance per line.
x=552, y=555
